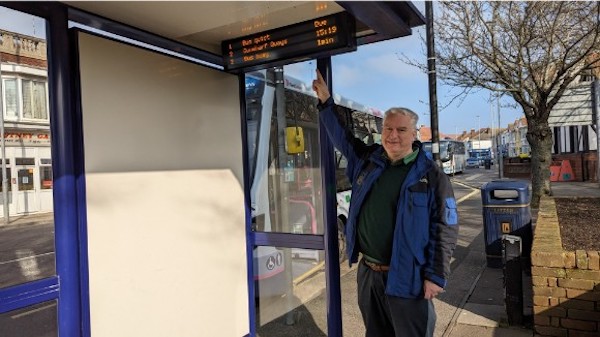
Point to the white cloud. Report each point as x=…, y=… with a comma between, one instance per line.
x=389, y=65
x=347, y=76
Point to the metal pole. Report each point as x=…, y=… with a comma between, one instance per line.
x=332, y=262
x=435, y=135
x=3, y=148
x=283, y=187
x=500, y=163
x=492, y=127
x=597, y=111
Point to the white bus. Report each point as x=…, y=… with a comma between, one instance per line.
x=285, y=178
x=453, y=155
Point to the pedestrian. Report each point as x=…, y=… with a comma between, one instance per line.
x=402, y=220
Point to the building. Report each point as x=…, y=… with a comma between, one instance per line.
x=23, y=67
x=515, y=136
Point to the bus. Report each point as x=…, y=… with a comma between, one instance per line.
x=452, y=154
x=481, y=155
x=284, y=177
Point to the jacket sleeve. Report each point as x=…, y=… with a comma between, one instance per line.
x=443, y=229
x=354, y=149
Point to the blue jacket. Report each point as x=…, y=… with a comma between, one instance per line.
x=426, y=226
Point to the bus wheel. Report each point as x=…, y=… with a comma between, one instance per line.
x=341, y=240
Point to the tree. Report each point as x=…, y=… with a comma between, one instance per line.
x=529, y=50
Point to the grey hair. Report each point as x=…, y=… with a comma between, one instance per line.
x=414, y=118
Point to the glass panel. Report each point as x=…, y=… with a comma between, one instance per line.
x=25, y=161
x=26, y=218
x=27, y=101
x=37, y=320
x=39, y=100
x=285, y=178
x=290, y=292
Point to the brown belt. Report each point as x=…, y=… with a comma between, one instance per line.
x=376, y=266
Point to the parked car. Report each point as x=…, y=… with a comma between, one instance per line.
x=472, y=162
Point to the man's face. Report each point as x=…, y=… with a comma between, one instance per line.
x=398, y=136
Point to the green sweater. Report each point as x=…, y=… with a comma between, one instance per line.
x=377, y=217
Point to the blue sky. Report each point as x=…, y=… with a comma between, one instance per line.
x=374, y=75
x=22, y=23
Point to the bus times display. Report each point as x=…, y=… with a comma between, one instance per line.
x=327, y=35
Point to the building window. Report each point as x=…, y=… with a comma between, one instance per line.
x=586, y=76
x=585, y=135
x=34, y=100
x=24, y=99
x=45, y=174
x=557, y=140
x=573, y=143
x=25, y=161
x=10, y=98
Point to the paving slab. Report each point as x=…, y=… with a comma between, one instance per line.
x=486, y=315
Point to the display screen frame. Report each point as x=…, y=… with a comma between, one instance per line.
x=323, y=36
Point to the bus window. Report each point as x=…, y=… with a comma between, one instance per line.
x=452, y=154
x=277, y=174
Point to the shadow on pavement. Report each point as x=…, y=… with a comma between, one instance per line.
x=298, y=323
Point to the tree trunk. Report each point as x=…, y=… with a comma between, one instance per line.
x=539, y=136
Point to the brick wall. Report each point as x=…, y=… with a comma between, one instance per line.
x=517, y=170
x=566, y=284
x=582, y=163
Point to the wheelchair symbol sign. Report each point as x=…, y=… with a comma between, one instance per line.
x=274, y=261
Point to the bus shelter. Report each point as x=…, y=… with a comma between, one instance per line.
x=191, y=184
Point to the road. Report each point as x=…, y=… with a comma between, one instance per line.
x=27, y=254
x=27, y=250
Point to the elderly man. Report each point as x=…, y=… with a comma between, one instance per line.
x=403, y=220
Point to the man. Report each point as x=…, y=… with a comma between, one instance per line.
x=402, y=219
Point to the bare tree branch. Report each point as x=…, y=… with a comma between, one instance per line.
x=533, y=51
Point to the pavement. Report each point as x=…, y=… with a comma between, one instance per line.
x=482, y=313
x=27, y=219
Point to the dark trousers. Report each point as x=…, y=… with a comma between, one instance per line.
x=390, y=316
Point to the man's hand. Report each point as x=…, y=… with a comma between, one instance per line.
x=431, y=289
x=320, y=87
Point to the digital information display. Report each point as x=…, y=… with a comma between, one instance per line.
x=328, y=35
